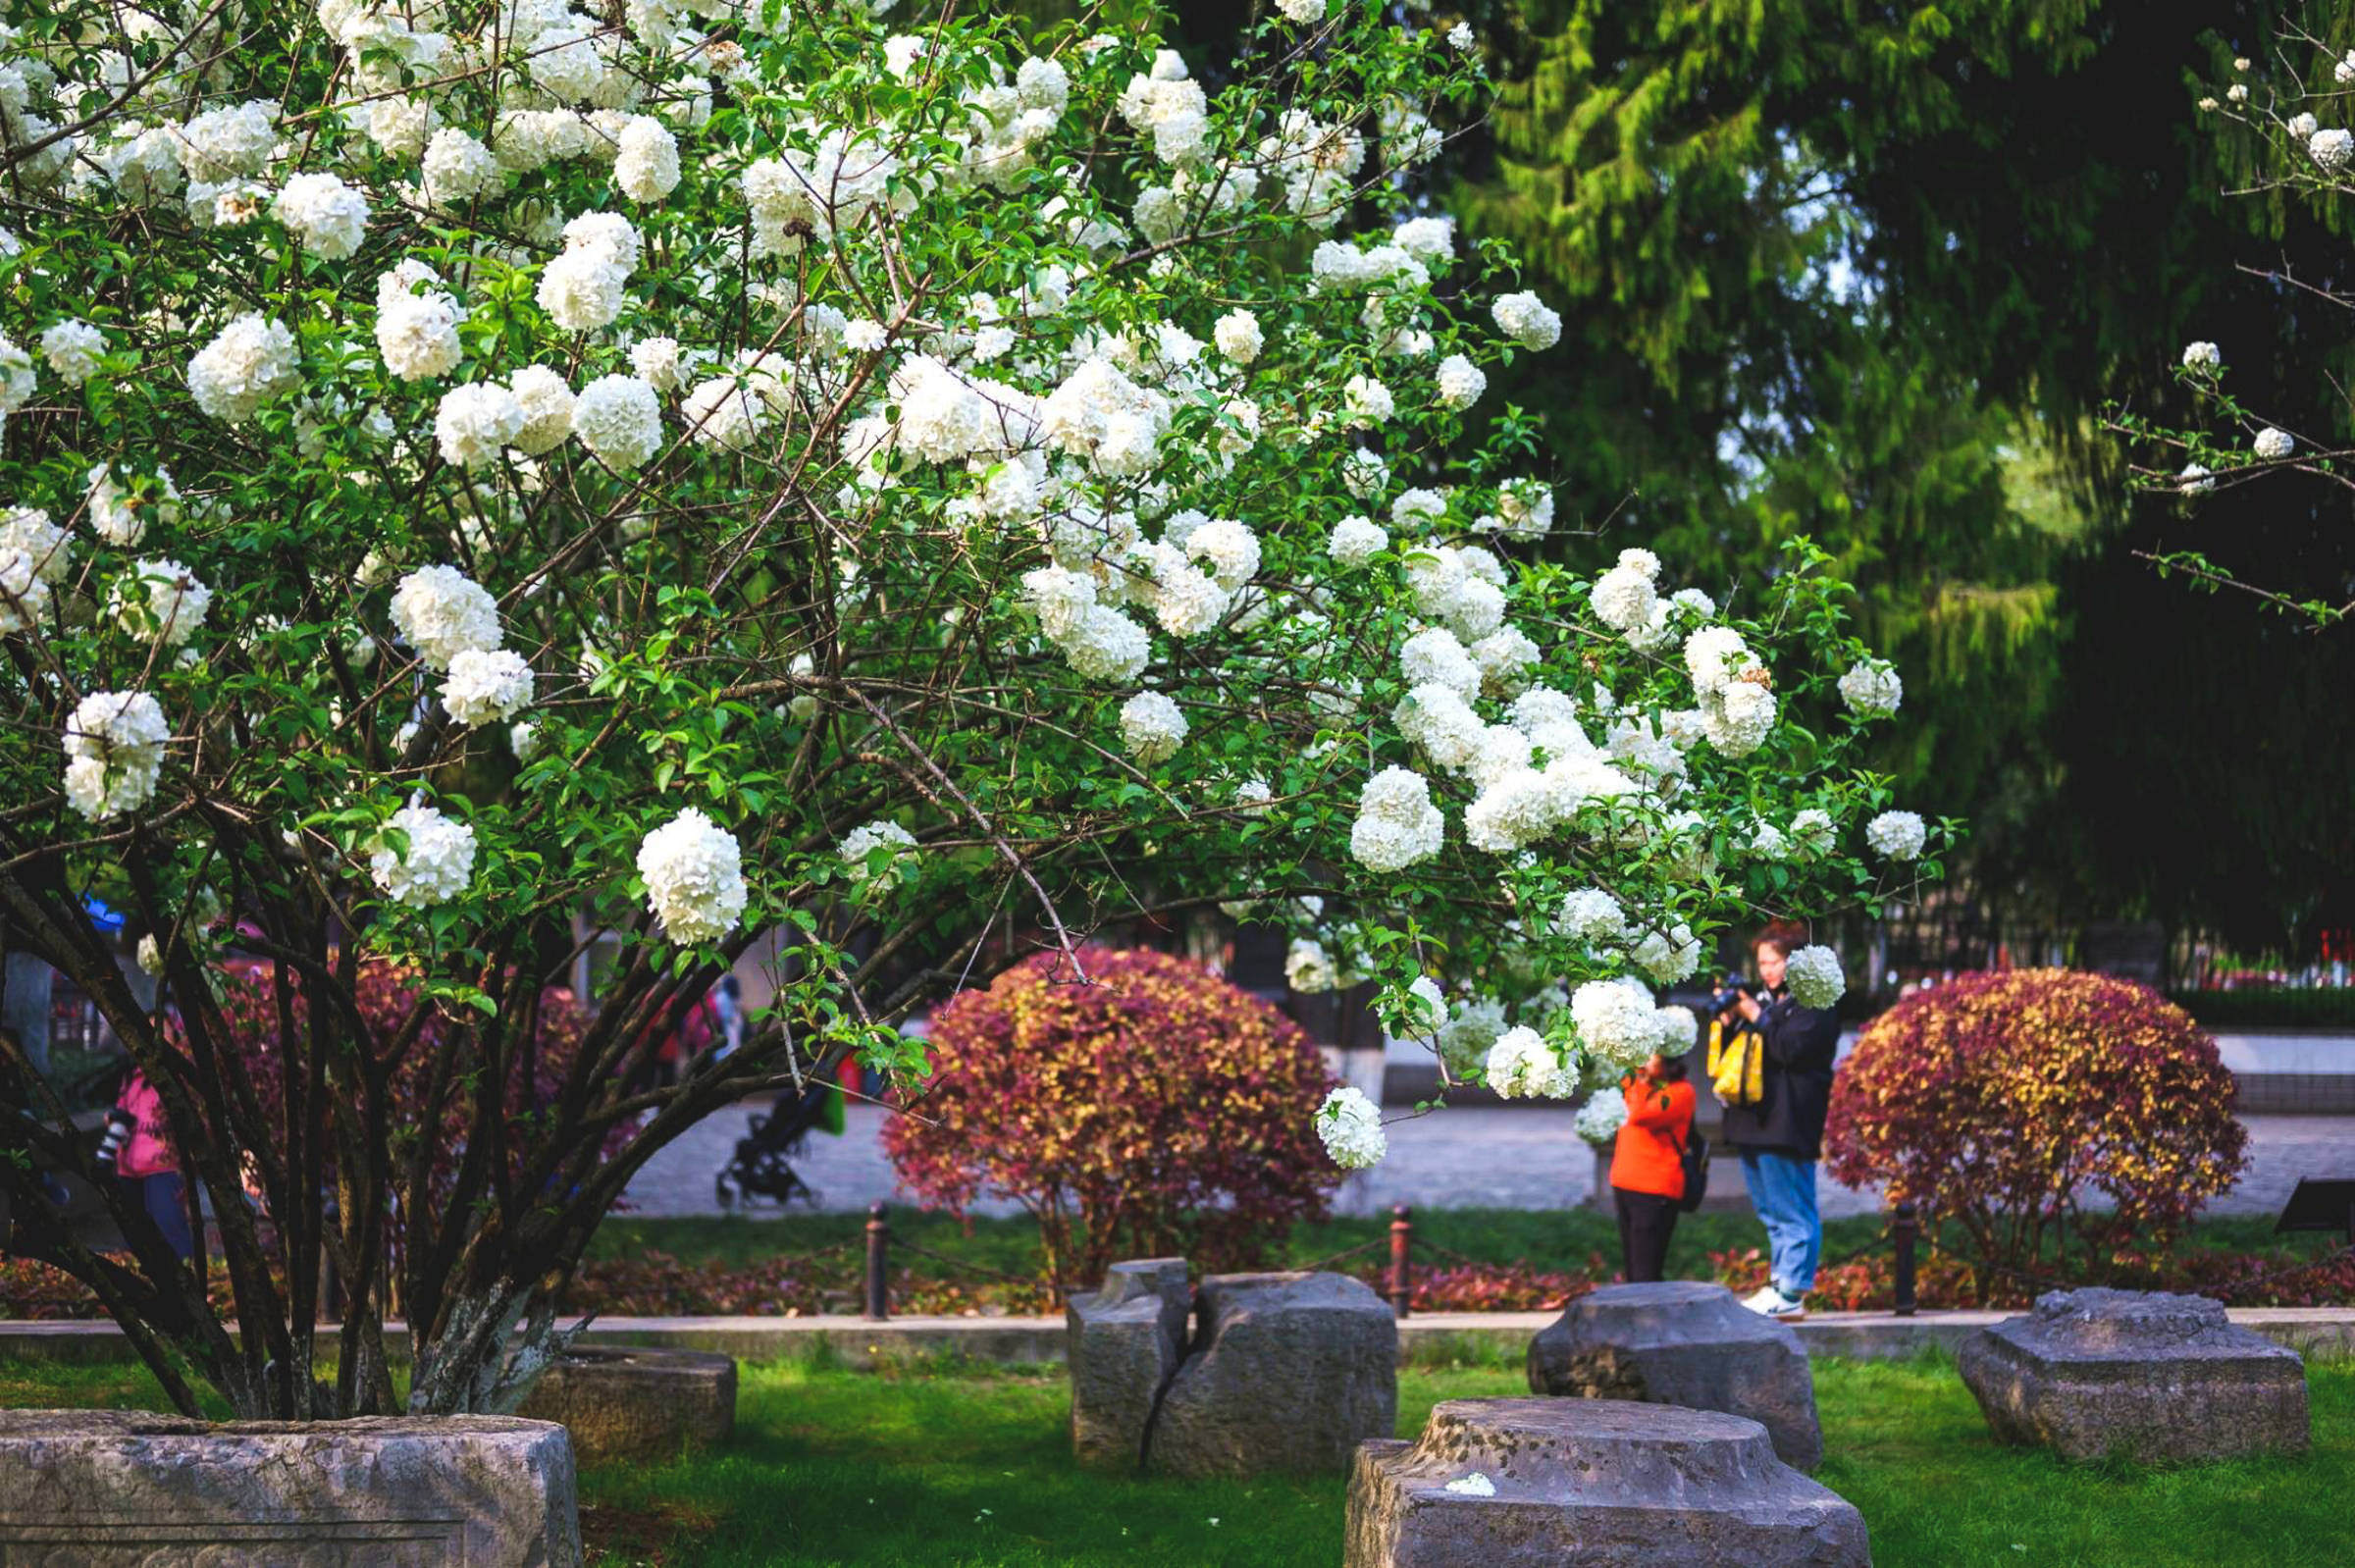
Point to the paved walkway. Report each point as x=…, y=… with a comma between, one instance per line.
x=1462, y=1158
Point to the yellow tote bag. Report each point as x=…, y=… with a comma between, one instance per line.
x=1737, y=1065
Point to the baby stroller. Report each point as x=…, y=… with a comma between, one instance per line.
x=762, y=1168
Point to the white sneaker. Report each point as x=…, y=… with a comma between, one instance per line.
x=1788, y=1309
x=1764, y=1300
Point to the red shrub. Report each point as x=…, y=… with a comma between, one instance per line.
x=1155, y=1109
x=2006, y=1102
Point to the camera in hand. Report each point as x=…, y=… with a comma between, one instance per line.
x=1730, y=993
x=119, y=1125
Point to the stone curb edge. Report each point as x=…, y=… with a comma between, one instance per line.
x=2317, y=1332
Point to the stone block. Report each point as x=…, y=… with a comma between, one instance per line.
x=108, y=1489
x=1289, y=1373
x=1123, y=1343
x=2147, y=1375
x=1592, y=1483
x=638, y=1406
x=1683, y=1342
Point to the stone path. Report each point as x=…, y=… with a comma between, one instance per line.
x=1463, y=1158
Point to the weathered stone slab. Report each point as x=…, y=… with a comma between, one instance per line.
x=1592, y=1483
x=640, y=1406
x=1123, y=1345
x=108, y=1489
x=1683, y=1342
x=2148, y=1376
x=1289, y=1371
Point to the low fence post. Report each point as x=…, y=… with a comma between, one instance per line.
x=878, y=1240
x=1402, y=1240
x=1906, y=1229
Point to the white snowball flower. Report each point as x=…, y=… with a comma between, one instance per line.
x=1369, y=401
x=121, y=512
x=160, y=600
x=1591, y=916
x=439, y=864
x=1679, y=1029
x=694, y=873
x=1623, y=599
x=1815, y=979
x=1307, y=969
x=250, y=363
x=1238, y=336
x=441, y=612
x=1305, y=11
x=485, y=686
x=1459, y=37
x=330, y=217
x=150, y=955
x=647, y=166
x=1351, y=1125
x=1615, y=1023
x=1427, y=1007
x=1151, y=727
x=72, y=350
x=475, y=422
x=1460, y=382
x=1356, y=541
x=1526, y=320
x=523, y=739
x=17, y=376
x=659, y=363
x=860, y=842
x=2202, y=356
x=1716, y=657
x=1396, y=822
x=2197, y=479
x=1872, y=688
x=2302, y=126
x=2275, y=443
x=113, y=753
x=1669, y=956
x=581, y=290
x=234, y=139
x=33, y=560
x=1898, y=835
x=619, y=418
x=1523, y=1067
x=1813, y=832
x=457, y=168
x=1600, y=1120
x=864, y=335
x=2331, y=149
x=416, y=333
x=547, y=404
x=1435, y=657
x=1228, y=549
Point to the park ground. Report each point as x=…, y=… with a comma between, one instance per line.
x=950, y=1465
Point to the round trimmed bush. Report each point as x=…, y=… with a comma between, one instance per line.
x=1155, y=1109
x=2039, y=1109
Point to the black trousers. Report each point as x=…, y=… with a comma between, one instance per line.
x=1645, y=1223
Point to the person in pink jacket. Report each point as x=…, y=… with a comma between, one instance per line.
x=146, y=1160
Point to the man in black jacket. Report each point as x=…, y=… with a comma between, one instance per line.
x=1781, y=1137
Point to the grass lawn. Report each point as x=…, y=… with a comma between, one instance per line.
x=969, y=1468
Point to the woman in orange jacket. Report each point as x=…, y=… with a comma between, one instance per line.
x=1647, y=1167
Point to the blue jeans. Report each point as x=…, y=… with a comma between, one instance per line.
x=1783, y=1191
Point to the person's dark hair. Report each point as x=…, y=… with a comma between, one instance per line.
x=1784, y=936
x=1673, y=1069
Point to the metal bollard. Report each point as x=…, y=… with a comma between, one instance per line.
x=1402, y=1240
x=1905, y=1230
x=878, y=1291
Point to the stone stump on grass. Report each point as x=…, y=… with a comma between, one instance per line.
x=644, y=1406
x=1592, y=1483
x=1289, y=1373
x=2147, y=1375
x=1683, y=1342
x=1123, y=1343
x=116, y=1489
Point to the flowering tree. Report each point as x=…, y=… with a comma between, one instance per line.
x=1157, y=1110
x=2289, y=106
x=492, y=478
x=2004, y=1101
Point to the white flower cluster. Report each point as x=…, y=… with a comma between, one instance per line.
x=1351, y=1125
x=1600, y=1120
x=416, y=323
x=1151, y=727
x=584, y=289
x=862, y=842
x=694, y=875
x=1898, y=835
x=1526, y=320
x=113, y=753
x=1815, y=977
x=437, y=865
x=250, y=363
x=1872, y=688
x=72, y=350
x=1521, y=1066
x=161, y=602
x=1617, y=1023
x=328, y=216
x=2273, y=445
x=1308, y=969
x=441, y=612
x=1396, y=822
x=487, y=685
x=2203, y=356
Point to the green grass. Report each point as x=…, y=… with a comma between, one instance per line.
x=969, y=1467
